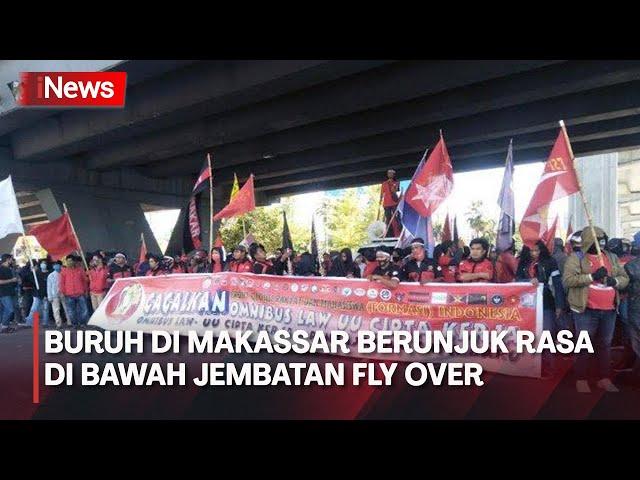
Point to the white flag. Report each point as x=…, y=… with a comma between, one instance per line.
x=10, y=221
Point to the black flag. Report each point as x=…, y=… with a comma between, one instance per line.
x=286, y=234
x=314, y=240
x=455, y=230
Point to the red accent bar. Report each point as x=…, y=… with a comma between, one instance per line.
x=36, y=357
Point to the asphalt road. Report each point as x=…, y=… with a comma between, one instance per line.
x=502, y=397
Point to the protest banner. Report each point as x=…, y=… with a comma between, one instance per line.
x=239, y=302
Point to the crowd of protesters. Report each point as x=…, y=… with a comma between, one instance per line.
x=582, y=291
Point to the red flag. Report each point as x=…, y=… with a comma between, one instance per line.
x=143, y=250
x=558, y=180
x=549, y=235
x=567, y=245
x=446, y=230
x=56, y=237
x=243, y=202
x=433, y=183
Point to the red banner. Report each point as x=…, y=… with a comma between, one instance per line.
x=240, y=302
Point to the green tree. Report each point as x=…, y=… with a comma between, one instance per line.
x=264, y=223
x=348, y=215
x=481, y=226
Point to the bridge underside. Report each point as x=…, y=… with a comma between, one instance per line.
x=299, y=126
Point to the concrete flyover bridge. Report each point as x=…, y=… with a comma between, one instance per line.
x=298, y=125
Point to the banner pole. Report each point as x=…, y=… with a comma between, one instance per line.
x=210, y=206
x=584, y=200
x=84, y=260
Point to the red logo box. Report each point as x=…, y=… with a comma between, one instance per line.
x=72, y=89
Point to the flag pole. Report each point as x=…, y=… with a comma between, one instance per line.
x=210, y=206
x=584, y=200
x=244, y=228
x=395, y=212
x=84, y=260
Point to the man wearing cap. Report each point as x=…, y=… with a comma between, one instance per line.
x=389, y=199
x=476, y=268
x=420, y=268
x=240, y=262
x=74, y=285
x=386, y=272
x=119, y=269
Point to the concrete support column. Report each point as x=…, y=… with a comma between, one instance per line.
x=599, y=177
x=101, y=222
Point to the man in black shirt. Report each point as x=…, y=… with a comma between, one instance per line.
x=261, y=265
x=386, y=272
x=420, y=268
x=8, y=283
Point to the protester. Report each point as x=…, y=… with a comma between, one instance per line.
x=506, y=265
x=326, y=263
x=592, y=284
x=8, y=282
x=389, y=194
x=361, y=263
x=476, y=268
x=155, y=266
x=119, y=269
x=632, y=320
x=261, y=265
x=98, y=276
x=54, y=295
x=538, y=266
x=559, y=254
x=448, y=256
x=306, y=265
x=386, y=272
x=27, y=286
x=217, y=260
x=344, y=266
x=142, y=268
x=283, y=264
x=420, y=268
x=75, y=286
x=40, y=303
x=240, y=263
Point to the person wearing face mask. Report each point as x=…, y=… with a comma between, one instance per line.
x=40, y=303
x=54, y=295
x=420, y=268
x=386, y=272
x=592, y=283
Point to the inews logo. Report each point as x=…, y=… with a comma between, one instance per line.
x=71, y=89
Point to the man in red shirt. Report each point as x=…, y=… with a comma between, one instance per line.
x=506, y=265
x=389, y=199
x=98, y=275
x=240, y=262
x=74, y=285
x=476, y=268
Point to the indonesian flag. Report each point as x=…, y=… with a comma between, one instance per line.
x=446, y=230
x=567, y=245
x=56, y=237
x=433, y=183
x=558, y=180
x=143, y=249
x=243, y=202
